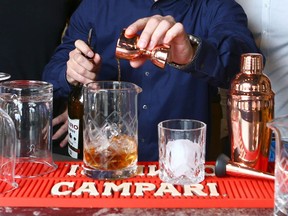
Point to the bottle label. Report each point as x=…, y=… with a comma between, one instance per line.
x=72, y=153
x=73, y=136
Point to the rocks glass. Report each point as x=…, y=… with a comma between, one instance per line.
x=182, y=151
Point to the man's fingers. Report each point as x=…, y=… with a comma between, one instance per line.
x=64, y=142
x=62, y=130
x=84, y=48
x=60, y=118
x=132, y=30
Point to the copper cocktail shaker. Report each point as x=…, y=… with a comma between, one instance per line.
x=127, y=49
x=250, y=105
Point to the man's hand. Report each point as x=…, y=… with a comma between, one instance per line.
x=158, y=30
x=83, y=64
x=61, y=119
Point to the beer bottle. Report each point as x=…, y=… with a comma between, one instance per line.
x=75, y=117
x=75, y=122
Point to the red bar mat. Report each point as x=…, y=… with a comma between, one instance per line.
x=68, y=187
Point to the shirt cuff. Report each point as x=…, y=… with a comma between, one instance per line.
x=196, y=44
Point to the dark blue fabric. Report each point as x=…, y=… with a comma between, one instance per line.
x=168, y=93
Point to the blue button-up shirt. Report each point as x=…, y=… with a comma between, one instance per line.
x=168, y=93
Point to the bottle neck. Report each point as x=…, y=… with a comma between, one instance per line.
x=78, y=85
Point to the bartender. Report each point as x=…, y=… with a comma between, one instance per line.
x=206, y=40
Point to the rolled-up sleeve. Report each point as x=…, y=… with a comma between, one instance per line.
x=224, y=38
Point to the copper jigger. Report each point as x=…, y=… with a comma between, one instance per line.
x=224, y=167
x=127, y=49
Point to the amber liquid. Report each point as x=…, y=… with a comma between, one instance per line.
x=120, y=154
x=119, y=69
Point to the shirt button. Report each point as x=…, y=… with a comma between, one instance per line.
x=142, y=140
x=145, y=107
x=147, y=73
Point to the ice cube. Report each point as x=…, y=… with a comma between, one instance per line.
x=183, y=157
x=111, y=130
x=100, y=138
x=97, y=139
x=102, y=143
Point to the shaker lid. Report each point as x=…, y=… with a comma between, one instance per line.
x=252, y=63
x=251, y=79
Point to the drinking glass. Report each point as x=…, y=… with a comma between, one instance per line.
x=29, y=104
x=4, y=76
x=280, y=128
x=182, y=151
x=7, y=153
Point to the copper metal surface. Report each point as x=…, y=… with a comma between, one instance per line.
x=225, y=167
x=127, y=49
x=250, y=105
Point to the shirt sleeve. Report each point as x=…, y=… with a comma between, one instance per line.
x=55, y=70
x=227, y=38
